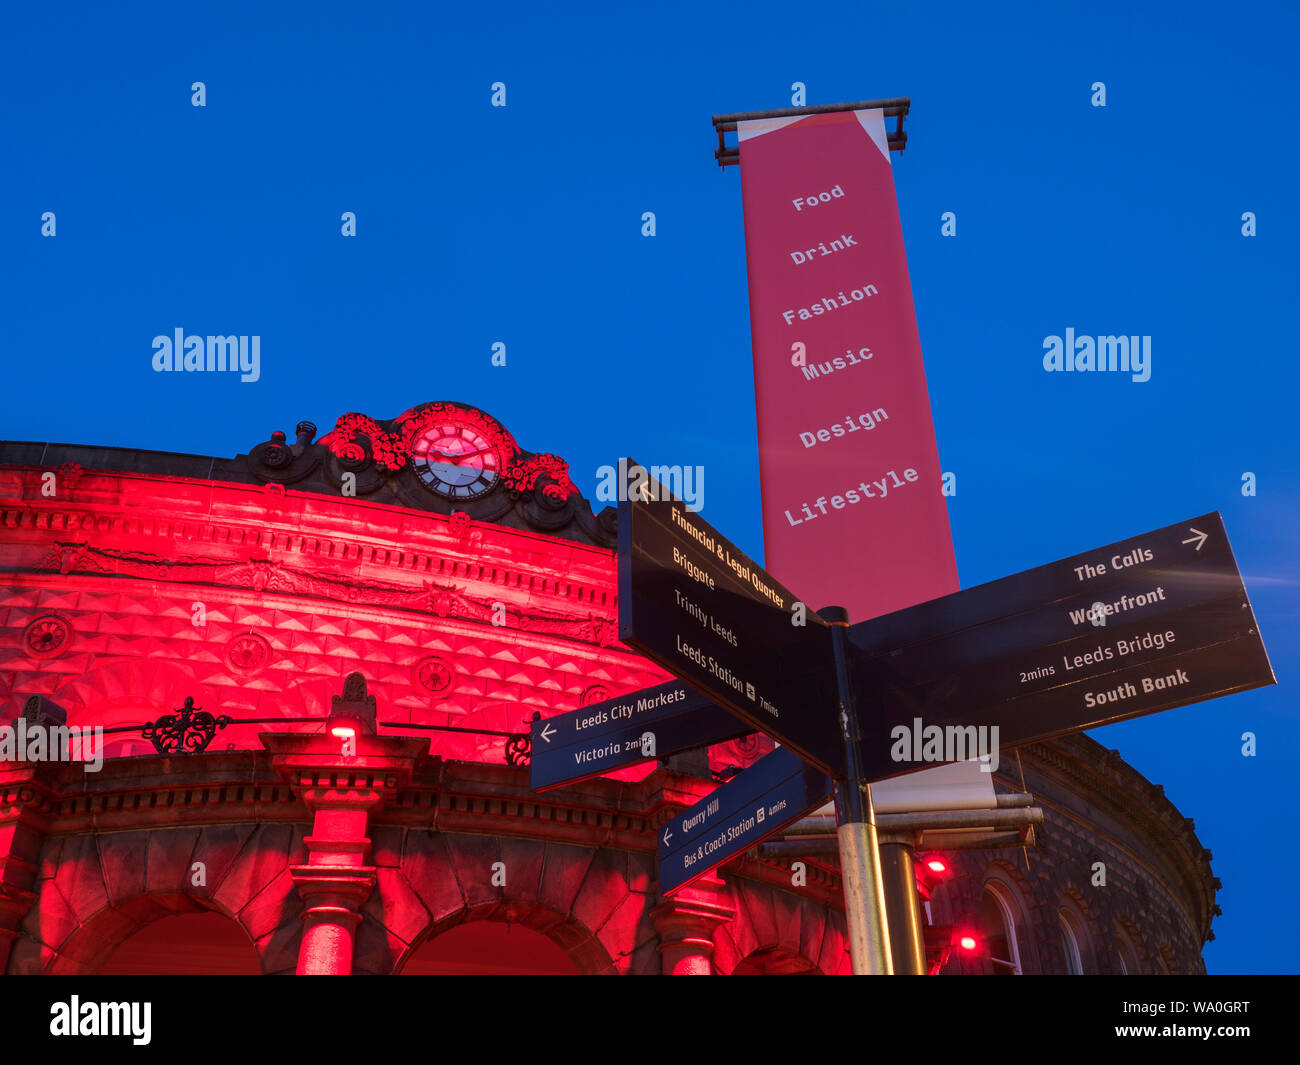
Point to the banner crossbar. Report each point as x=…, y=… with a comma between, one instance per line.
x=896, y=107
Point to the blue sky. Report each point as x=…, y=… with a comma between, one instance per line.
x=522, y=225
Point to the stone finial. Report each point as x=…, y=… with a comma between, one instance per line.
x=356, y=703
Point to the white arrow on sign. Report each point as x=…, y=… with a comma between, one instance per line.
x=547, y=733
x=1194, y=540
x=667, y=836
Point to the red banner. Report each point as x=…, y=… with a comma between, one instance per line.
x=853, y=513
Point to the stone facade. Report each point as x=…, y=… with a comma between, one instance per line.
x=132, y=581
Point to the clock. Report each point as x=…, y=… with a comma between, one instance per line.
x=455, y=460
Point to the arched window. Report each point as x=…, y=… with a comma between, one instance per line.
x=1073, y=940
x=1127, y=953
x=999, y=912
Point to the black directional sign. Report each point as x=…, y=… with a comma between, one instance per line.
x=694, y=603
x=651, y=723
x=1147, y=624
x=776, y=790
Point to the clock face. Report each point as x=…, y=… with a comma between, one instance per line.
x=456, y=461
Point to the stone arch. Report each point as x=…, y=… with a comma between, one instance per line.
x=583, y=951
x=1128, y=939
x=778, y=931
x=1073, y=907
x=94, y=890
x=95, y=941
x=594, y=903
x=209, y=943
x=775, y=962
x=1019, y=894
x=113, y=690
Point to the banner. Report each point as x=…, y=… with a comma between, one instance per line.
x=853, y=513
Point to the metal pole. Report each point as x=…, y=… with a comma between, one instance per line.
x=864, y=898
x=903, y=908
x=893, y=106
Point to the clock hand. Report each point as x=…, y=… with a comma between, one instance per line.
x=459, y=460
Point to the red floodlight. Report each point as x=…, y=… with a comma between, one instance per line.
x=930, y=871
x=943, y=939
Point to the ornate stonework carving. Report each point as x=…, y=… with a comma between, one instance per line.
x=47, y=636
x=391, y=448
x=70, y=474
x=248, y=653
x=597, y=693
x=462, y=527
x=274, y=494
x=434, y=674
x=263, y=574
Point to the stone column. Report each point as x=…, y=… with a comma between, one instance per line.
x=22, y=831
x=343, y=777
x=686, y=923
x=334, y=884
x=14, y=904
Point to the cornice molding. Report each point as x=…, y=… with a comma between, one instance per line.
x=361, y=459
x=1098, y=776
x=269, y=575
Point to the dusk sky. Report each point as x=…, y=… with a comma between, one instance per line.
x=522, y=225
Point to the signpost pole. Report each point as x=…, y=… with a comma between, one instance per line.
x=864, y=899
x=902, y=908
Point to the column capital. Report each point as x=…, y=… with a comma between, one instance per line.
x=326, y=778
x=333, y=897
x=332, y=886
x=686, y=922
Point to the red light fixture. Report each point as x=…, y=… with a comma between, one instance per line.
x=941, y=941
x=930, y=871
x=353, y=713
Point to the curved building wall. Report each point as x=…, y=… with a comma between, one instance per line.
x=150, y=579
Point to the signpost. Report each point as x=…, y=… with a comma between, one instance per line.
x=651, y=723
x=1147, y=624
x=775, y=791
x=690, y=600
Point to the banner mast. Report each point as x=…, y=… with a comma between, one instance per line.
x=839, y=198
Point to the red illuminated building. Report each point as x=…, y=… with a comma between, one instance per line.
x=263, y=637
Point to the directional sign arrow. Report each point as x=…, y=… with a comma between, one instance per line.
x=775, y=791
x=1139, y=626
x=692, y=601
x=613, y=733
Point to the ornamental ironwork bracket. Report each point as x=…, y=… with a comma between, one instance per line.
x=519, y=747
x=188, y=731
